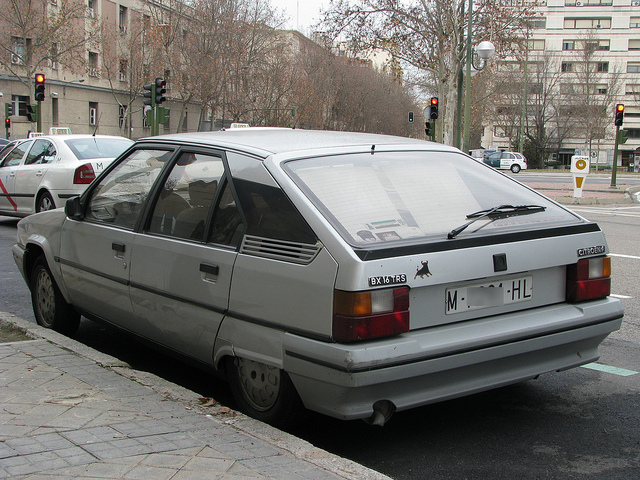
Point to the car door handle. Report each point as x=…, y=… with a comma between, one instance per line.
x=119, y=248
x=39, y=173
x=209, y=269
x=209, y=273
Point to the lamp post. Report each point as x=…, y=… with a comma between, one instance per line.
x=485, y=50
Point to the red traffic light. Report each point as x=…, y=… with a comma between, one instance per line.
x=39, y=90
x=434, y=101
x=7, y=123
x=619, y=116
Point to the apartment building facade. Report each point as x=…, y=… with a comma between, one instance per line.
x=97, y=86
x=583, y=57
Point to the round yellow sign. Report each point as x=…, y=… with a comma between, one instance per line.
x=581, y=164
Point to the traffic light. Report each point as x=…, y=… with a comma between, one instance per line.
x=39, y=87
x=622, y=136
x=160, y=91
x=7, y=123
x=149, y=95
x=433, y=109
x=8, y=109
x=31, y=112
x=410, y=117
x=427, y=128
x=619, y=114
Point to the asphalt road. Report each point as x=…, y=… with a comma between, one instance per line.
x=582, y=423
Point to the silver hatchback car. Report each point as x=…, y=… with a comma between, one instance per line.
x=353, y=274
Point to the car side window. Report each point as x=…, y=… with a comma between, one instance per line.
x=120, y=196
x=270, y=214
x=185, y=199
x=15, y=156
x=227, y=228
x=42, y=152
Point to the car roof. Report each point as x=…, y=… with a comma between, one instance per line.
x=269, y=141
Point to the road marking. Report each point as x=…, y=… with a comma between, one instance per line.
x=619, y=296
x=622, y=372
x=624, y=256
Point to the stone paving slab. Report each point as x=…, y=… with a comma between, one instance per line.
x=64, y=415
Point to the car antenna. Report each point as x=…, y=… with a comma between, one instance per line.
x=373, y=148
x=97, y=124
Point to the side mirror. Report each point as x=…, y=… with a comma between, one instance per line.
x=73, y=208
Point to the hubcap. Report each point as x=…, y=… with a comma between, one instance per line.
x=45, y=298
x=260, y=383
x=45, y=203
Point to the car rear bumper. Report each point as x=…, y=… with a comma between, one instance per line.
x=440, y=363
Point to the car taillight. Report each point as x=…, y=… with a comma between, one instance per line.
x=589, y=279
x=370, y=314
x=84, y=174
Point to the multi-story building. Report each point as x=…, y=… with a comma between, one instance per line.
x=94, y=67
x=583, y=58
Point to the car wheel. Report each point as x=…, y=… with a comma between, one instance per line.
x=263, y=392
x=45, y=202
x=515, y=168
x=49, y=306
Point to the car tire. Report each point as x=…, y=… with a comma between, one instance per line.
x=515, y=168
x=45, y=202
x=264, y=392
x=49, y=306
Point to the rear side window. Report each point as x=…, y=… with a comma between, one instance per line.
x=97, y=147
x=415, y=196
x=270, y=214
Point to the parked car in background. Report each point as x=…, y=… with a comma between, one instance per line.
x=40, y=173
x=513, y=161
x=353, y=274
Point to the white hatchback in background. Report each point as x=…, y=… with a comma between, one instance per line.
x=513, y=161
x=41, y=173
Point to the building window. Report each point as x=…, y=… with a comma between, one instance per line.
x=20, y=105
x=566, y=67
x=568, y=44
x=53, y=54
x=633, y=67
x=185, y=127
x=602, y=67
x=634, y=44
x=634, y=22
x=632, y=89
x=122, y=19
x=92, y=67
x=93, y=113
x=536, y=44
x=601, y=89
x=19, y=50
x=54, y=112
x=122, y=70
x=537, y=23
x=590, y=3
x=574, y=23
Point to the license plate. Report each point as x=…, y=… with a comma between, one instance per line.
x=487, y=295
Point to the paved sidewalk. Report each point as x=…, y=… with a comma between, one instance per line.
x=70, y=412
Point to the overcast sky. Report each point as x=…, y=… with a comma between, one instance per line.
x=301, y=13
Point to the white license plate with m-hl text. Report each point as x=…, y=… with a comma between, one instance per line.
x=487, y=295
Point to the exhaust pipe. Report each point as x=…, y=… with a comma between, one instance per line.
x=382, y=412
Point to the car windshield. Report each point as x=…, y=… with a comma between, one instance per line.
x=415, y=196
x=97, y=147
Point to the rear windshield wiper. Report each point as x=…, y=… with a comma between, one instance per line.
x=501, y=211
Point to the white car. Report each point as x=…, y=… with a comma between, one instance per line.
x=513, y=161
x=353, y=274
x=41, y=173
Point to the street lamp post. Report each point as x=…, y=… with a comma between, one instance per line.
x=484, y=50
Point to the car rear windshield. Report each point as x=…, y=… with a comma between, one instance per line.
x=97, y=147
x=416, y=196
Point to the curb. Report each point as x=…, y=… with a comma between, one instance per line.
x=299, y=448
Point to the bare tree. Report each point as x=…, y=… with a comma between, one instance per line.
x=428, y=35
